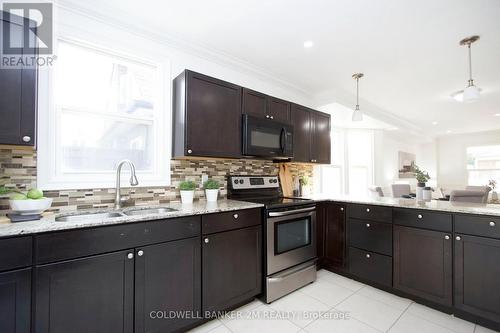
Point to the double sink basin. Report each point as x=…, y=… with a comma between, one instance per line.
x=109, y=215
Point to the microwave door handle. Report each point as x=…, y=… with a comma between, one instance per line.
x=283, y=139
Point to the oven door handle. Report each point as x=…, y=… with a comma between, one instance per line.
x=291, y=212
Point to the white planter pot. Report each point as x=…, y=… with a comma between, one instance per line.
x=187, y=197
x=211, y=195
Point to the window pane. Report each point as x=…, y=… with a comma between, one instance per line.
x=358, y=181
x=337, y=147
x=331, y=180
x=483, y=177
x=485, y=157
x=360, y=147
x=93, y=143
x=92, y=80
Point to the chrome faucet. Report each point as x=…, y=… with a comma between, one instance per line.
x=133, y=182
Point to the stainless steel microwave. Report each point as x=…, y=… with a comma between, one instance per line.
x=267, y=138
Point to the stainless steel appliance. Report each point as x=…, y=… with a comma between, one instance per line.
x=290, y=233
x=267, y=138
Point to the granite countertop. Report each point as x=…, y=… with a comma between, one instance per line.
x=436, y=205
x=48, y=223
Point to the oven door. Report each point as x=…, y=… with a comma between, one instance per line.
x=291, y=238
x=267, y=138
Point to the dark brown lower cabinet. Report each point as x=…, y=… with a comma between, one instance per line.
x=231, y=267
x=477, y=276
x=370, y=266
x=93, y=294
x=423, y=264
x=335, y=236
x=167, y=286
x=15, y=301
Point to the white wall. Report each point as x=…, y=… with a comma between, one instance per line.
x=387, y=144
x=452, y=159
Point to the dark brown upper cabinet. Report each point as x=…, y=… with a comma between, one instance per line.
x=320, y=138
x=18, y=88
x=312, y=141
x=260, y=105
x=207, y=117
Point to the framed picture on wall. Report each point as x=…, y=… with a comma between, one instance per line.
x=406, y=163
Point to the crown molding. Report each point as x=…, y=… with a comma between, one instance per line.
x=196, y=49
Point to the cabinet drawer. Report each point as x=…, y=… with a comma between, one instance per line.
x=486, y=226
x=423, y=219
x=231, y=220
x=84, y=242
x=369, y=212
x=371, y=236
x=15, y=252
x=370, y=266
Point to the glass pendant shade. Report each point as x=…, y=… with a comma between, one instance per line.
x=357, y=115
x=471, y=93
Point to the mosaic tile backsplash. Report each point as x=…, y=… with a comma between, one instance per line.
x=18, y=169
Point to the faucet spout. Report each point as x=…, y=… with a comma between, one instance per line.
x=133, y=181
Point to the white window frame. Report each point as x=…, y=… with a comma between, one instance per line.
x=478, y=170
x=49, y=176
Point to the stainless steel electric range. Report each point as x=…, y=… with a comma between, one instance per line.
x=289, y=233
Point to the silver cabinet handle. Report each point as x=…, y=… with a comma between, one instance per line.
x=26, y=138
x=140, y=253
x=368, y=210
x=458, y=238
x=341, y=209
x=207, y=240
x=189, y=151
x=419, y=216
x=368, y=225
x=492, y=224
x=236, y=216
x=267, y=116
x=130, y=256
x=272, y=117
x=446, y=237
x=368, y=255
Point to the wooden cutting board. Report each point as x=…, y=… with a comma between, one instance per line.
x=286, y=180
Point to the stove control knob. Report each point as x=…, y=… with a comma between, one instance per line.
x=241, y=181
x=236, y=181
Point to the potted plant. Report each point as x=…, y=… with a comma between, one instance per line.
x=304, y=186
x=422, y=178
x=187, y=191
x=211, y=187
x=493, y=185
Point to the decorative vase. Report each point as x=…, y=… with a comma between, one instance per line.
x=427, y=194
x=494, y=196
x=211, y=195
x=187, y=197
x=420, y=191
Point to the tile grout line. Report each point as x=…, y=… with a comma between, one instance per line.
x=401, y=315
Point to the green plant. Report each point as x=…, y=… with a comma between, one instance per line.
x=304, y=180
x=421, y=175
x=187, y=185
x=5, y=190
x=211, y=184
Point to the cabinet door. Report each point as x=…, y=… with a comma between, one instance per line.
x=255, y=103
x=93, y=294
x=18, y=95
x=167, y=278
x=320, y=141
x=301, y=121
x=15, y=301
x=232, y=267
x=335, y=236
x=423, y=264
x=279, y=109
x=477, y=272
x=213, y=125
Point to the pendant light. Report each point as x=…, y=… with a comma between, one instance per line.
x=357, y=115
x=471, y=93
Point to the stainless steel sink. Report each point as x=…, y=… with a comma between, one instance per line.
x=149, y=211
x=88, y=216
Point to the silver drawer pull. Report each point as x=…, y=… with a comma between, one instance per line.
x=458, y=238
x=368, y=225
x=419, y=216
x=368, y=210
x=207, y=240
x=140, y=253
x=235, y=216
x=368, y=255
x=267, y=116
x=130, y=256
x=447, y=237
x=189, y=151
x=492, y=224
x=26, y=138
x=341, y=209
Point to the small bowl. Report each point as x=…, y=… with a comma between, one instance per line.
x=30, y=206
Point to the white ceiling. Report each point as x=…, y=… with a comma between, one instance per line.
x=407, y=49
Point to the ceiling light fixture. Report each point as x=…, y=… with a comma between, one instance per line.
x=357, y=115
x=471, y=92
x=434, y=123
x=308, y=44
x=497, y=114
